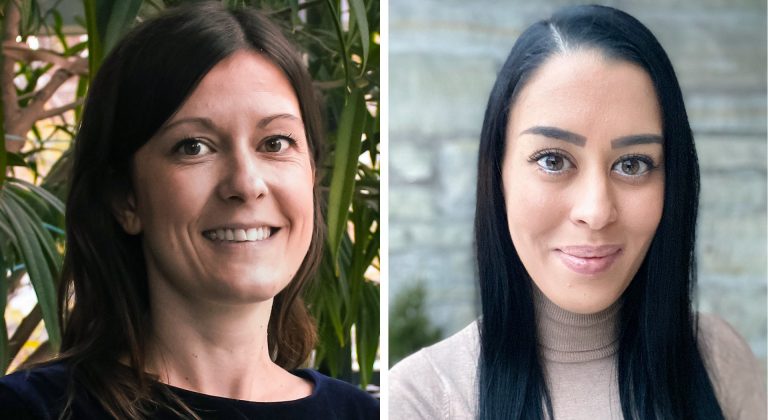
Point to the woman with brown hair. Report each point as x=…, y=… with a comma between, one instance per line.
x=193, y=224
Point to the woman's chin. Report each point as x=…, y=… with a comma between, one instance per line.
x=581, y=296
x=248, y=288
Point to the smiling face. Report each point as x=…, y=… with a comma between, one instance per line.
x=583, y=177
x=223, y=192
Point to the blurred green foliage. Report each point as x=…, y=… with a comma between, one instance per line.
x=410, y=328
x=340, y=40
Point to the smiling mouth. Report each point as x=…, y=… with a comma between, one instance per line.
x=240, y=235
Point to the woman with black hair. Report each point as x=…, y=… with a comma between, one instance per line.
x=193, y=224
x=585, y=223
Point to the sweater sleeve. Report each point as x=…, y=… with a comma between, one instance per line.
x=736, y=374
x=439, y=381
x=415, y=390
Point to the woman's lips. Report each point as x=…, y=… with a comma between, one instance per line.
x=588, y=260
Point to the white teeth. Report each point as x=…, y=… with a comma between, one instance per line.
x=251, y=234
x=239, y=235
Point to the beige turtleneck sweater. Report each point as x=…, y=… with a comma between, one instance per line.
x=579, y=357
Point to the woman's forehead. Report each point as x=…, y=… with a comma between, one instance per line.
x=246, y=81
x=586, y=93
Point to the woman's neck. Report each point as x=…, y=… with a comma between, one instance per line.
x=570, y=337
x=217, y=349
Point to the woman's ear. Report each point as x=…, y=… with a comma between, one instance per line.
x=125, y=212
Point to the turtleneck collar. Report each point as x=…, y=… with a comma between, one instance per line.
x=572, y=338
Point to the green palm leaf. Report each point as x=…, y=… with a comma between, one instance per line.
x=37, y=251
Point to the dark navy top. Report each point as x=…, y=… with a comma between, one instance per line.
x=40, y=393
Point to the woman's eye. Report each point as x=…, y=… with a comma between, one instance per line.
x=633, y=166
x=192, y=147
x=276, y=144
x=554, y=163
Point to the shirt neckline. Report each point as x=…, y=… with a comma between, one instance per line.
x=570, y=337
x=308, y=374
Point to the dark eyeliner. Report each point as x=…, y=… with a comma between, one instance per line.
x=541, y=153
x=642, y=158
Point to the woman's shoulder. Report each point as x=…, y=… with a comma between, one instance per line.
x=46, y=376
x=458, y=352
x=35, y=393
x=463, y=346
x=42, y=392
x=351, y=401
x=723, y=348
x=437, y=381
x=736, y=374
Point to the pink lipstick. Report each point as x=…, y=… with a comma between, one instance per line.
x=588, y=260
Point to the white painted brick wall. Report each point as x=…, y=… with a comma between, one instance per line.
x=443, y=59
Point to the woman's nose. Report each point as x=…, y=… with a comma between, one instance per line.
x=243, y=178
x=594, y=204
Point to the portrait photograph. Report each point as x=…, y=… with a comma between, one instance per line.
x=384, y=209
x=577, y=195
x=189, y=210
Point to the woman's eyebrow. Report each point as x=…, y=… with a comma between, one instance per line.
x=205, y=122
x=266, y=120
x=579, y=140
x=636, y=139
x=557, y=133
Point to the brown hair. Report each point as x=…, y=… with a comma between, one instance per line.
x=103, y=294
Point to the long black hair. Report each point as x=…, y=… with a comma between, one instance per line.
x=661, y=373
x=103, y=295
